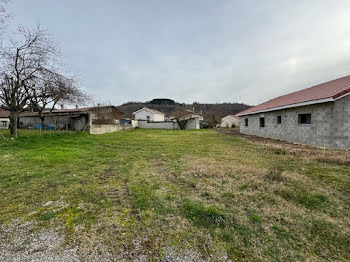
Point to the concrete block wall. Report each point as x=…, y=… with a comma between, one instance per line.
x=103, y=129
x=192, y=123
x=330, y=125
x=340, y=128
x=158, y=125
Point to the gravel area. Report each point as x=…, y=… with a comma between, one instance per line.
x=20, y=243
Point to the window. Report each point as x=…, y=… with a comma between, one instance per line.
x=279, y=119
x=246, y=122
x=304, y=119
x=148, y=117
x=262, y=121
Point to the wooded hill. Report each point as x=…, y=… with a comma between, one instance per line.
x=212, y=112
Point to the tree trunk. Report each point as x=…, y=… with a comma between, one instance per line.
x=13, y=123
x=42, y=118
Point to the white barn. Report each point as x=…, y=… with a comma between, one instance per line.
x=149, y=115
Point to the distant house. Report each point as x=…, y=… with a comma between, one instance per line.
x=149, y=115
x=318, y=116
x=193, y=114
x=152, y=119
x=188, y=119
x=4, y=119
x=229, y=121
x=77, y=119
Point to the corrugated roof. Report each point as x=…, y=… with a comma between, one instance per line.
x=58, y=111
x=328, y=91
x=65, y=110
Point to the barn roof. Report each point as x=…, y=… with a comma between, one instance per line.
x=326, y=92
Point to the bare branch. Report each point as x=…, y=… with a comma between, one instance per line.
x=29, y=75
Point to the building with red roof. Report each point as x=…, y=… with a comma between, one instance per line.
x=318, y=116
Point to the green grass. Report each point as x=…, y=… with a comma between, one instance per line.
x=183, y=189
x=206, y=216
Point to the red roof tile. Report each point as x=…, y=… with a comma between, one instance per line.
x=329, y=90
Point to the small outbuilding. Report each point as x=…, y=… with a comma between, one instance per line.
x=317, y=116
x=4, y=119
x=75, y=119
x=149, y=115
x=229, y=121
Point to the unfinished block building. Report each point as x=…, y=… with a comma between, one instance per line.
x=317, y=116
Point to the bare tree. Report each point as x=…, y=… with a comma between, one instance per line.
x=180, y=117
x=4, y=14
x=52, y=89
x=105, y=114
x=25, y=63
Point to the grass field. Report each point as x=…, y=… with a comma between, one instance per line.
x=187, y=190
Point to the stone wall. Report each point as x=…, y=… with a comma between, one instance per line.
x=330, y=125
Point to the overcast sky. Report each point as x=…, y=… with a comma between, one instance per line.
x=195, y=50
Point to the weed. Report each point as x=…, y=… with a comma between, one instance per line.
x=310, y=201
x=207, y=216
x=206, y=194
x=335, y=162
x=48, y=216
x=278, y=151
x=243, y=187
x=255, y=218
x=275, y=175
x=228, y=195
